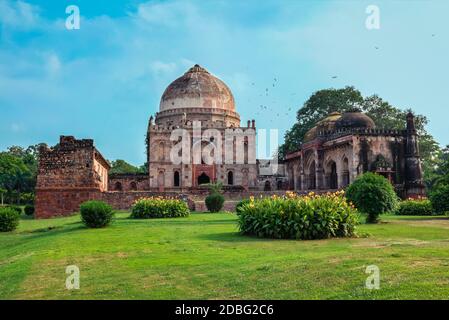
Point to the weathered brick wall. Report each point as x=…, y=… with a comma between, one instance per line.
x=69, y=174
x=62, y=202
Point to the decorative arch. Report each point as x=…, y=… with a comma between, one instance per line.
x=230, y=178
x=118, y=186
x=345, y=172
x=133, y=186
x=331, y=174
x=176, y=179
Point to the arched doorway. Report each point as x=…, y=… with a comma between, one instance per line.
x=133, y=186
x=161, y=181
x=332, y=175
x=118, y=186
x=176, y=180
x=203, y=179
x=267, y=186
x=312, y=176
x=345, y=172
x=230, y=178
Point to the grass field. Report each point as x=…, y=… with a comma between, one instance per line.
x=204, y=257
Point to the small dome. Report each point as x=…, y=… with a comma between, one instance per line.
x=355, y=120
x=197, y=88
x=326, y=124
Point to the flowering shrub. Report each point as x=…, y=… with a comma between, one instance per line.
x=159, y=207
x=415, y=207
x=298, y=217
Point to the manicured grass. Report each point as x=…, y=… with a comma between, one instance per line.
x=204, y=257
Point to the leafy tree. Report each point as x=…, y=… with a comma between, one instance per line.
x=384, y=115
x=15, y=177
x=123, y=167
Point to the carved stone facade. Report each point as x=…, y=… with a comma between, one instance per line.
x=343, y=146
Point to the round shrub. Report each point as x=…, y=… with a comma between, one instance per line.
x=296, y=217
x=412, y=207
x=373, y=194
x=214, y=202
x=159, y=207
x=96, y=214
x=17, y=209
x=9, y=219
x=440, y=199
x=29, y=210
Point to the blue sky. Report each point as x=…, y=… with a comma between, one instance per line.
x=105, y=80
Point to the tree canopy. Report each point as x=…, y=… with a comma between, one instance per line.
x=122, y=167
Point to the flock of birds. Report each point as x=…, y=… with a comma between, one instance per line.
x=265, y=108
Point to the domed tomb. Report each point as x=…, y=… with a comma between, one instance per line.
x=198, y=95
x=355, y=120
x=326, y=124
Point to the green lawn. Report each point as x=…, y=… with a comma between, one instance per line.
x=204, y=257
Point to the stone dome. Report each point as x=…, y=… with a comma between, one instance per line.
x=355, y=120
x=326, y=124
x=197, y=88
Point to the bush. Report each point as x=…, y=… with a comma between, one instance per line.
x=295, y=217
x=440, y=199
x=96, y=214
x=17, y=209
x=158, y=207
x=239, y=206
x=9, y=219
x=29, y=210
x=373, y=194
x=214, y=202
x=414, y=208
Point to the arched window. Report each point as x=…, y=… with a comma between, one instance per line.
x=133, y=186
x=176, y=181
x=118, y=186
x=267, y=186
x=230, y=178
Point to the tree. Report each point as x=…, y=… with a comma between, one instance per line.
x=384, y=115
x=123, y=167
x=14, y=174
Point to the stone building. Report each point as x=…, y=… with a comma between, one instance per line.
x=201, y=109
x=70, y=173
x=199, y=99
x=197, y=138
x=342, y=146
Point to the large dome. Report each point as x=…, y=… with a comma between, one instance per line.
x=355, y=120
x=326, y=124
x=197, y=88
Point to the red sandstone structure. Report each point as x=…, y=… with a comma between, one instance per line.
x=337, y=150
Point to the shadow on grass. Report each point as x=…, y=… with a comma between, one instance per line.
x=232, y=237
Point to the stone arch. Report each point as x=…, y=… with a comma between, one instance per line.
x=176, y=179
x=230, y=178
x=203, y=178
x=311, y=175
x=118, y=186
x=345, y=171
x=133, y=186
x=161, y=180
x=161, y=151
x=331, y=175
x=267, y=186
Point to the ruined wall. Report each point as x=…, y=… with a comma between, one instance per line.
x=68, y=174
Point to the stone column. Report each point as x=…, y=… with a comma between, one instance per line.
x=319, y=156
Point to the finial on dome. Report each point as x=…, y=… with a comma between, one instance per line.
x=197, y=68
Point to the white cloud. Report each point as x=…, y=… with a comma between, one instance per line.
x=18, y=14
x=159, y=67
